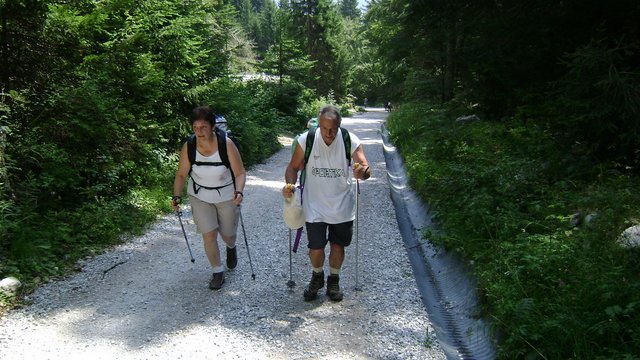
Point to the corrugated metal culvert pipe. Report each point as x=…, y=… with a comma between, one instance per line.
x=447, y=290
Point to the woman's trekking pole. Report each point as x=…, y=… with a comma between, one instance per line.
x=253, y=275
x=357, y=247
x=290, y=283
x=179, y=213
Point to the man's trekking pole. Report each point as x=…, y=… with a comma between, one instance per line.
x=290, y=283
x=179, y=213
x=253, y=275
x=357, y=247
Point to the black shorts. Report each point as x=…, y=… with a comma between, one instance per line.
x=338, y=234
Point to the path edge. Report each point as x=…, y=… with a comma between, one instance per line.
x=446, y=286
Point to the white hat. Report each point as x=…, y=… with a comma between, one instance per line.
x=292, y=212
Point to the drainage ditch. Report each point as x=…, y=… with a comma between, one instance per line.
x=445, y=285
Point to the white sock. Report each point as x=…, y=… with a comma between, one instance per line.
x=334, y=271
x=318, y=270
x=217, y=269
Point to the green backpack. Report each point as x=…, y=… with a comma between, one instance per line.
x=311, y=136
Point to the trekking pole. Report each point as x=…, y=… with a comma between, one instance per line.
x=179, y=213
x=357, y=243
x=253, y=275
x=290, y=283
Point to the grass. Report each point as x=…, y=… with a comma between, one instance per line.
x=504, y=196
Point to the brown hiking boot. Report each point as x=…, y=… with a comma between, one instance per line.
x=216, y=281
x=333, y=288
x=316, y=283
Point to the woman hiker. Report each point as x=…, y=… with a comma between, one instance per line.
x=216, y=182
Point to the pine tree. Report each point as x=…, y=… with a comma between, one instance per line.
x=349, y=9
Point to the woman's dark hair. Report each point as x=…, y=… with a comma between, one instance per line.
x=203, y=113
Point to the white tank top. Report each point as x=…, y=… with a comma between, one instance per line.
x=210, y=176
x=329, y=191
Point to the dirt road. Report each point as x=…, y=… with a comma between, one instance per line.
x=146, y=300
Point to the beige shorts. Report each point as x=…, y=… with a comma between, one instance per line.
x=209, y=217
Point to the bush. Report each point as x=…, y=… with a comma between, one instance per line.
x=503, y=197
x=595, y=106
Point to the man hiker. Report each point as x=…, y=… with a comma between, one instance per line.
x=217, y=177
x=328, y=194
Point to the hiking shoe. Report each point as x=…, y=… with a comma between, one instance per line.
x=232, y=258
x=216, y=281
x=316, y=283
x=333, y=288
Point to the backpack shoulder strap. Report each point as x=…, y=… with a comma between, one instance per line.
x=222, y=147
x=224, y=155
x=311, y=136
x=346, y=139
x=191, y=149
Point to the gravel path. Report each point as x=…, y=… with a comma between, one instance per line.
x=146, y=300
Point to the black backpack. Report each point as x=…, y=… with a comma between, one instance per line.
x=311, y=136
x=192, y=145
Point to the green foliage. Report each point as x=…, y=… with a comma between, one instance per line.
x=601, y=94
x=387, y=45
x=503, y=197
x=312, y=42
x=570, y=65
x=259, y=22
x=349, y=9
x=92, y=116
x=312, y=108
x=288, y=62
x=45, y=245
x=318, y=27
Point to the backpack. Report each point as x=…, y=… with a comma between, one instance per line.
x=192, y=146
x=311, y=136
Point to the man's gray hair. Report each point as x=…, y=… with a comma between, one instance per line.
x=330, y=112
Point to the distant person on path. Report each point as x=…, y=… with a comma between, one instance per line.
x=216, y=181
x=365, y=102
x=328, y=195
x=388, y=106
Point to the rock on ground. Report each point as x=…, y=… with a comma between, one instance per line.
x=9, y=286
x=630, y=238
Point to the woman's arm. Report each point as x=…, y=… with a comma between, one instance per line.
x=181, y=175
x=238, y=170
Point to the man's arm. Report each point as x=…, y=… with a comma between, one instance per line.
x=291, y=173
x=361, y=168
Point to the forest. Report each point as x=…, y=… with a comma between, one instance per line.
x=533, y=193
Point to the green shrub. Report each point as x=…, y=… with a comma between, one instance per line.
x=503, y=196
